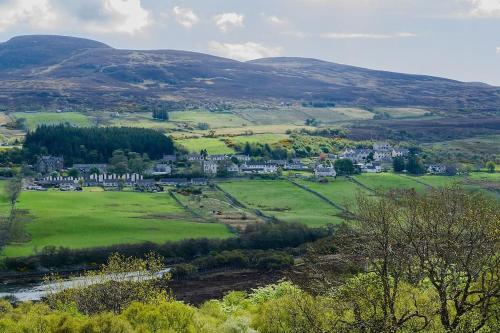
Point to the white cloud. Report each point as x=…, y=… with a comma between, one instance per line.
x=127, y=16
x=498, y=50
x=225, y=21
x=35, y=12
x=185, y=17
x=273, y=19
x=244, y=51
x=342, y=35
x=485, y=8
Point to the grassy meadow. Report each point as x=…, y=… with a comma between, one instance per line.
x=212, y=145
x=283, y=200
x=35, y=119
x=341, y=191
x=93, y=219
x=386, y=181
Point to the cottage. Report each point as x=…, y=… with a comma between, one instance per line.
x=324, y=171
x=242, y=158
x=297, y=166
x=400, y=152
x=382, y=145
x=381, y=155
x=147, y=185
x=218, y=158
x=160, y=169
x=210, y=167
x=49, y=164
x=195, y=157
x=199, y=181
x=356, y=155
x=259, y=168
x=436, y=169
x=372, y=167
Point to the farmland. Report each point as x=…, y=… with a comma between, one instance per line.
x=386, y=181
x=93, y=219
x=212, y=145
x=341, y=191
x=283, y=200
x=33, y=120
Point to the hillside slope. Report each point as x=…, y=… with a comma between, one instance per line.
x=65, y=71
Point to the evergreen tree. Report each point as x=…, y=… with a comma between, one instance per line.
x=398, y=164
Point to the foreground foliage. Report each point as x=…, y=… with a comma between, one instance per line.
x=406, y=262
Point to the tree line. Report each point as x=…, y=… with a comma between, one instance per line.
x=94, y=144
x=276, y=235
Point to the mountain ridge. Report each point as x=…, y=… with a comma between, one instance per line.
x=66, y=71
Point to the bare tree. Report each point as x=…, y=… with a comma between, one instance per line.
x=453, y=236
x=446, y=239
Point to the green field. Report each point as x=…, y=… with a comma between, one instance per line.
x=212, y=145
x=386, y=181
x=259, y=138
x=282, y=199
x=35, y=119
x=298, y=115
x=403, y=112
x=92, y=219
x=213, y=119
x=341, y=191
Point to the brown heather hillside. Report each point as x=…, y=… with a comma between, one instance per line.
x=59, y=71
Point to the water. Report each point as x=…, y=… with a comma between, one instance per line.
x=36, y=291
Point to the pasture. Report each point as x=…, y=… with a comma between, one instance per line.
x=341, y=191
x=35, y=119
x=212, y=145
x=213, y=119
x=283, y=200
x=403, y=112
x=93, y=219
x=387, y=181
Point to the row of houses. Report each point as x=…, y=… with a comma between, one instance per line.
x=111, y=181
x=381, y=151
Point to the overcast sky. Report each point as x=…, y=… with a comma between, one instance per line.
x=458, y=39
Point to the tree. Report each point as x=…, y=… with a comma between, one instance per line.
x=73, y=173
x=119, y=162
x=344, y=166
x=432, y=257
x=12, y=191
x=160, y=114
x=415, y=165
x=398, y=164
x=490, y=166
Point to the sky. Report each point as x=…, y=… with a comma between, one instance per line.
x=458, y=39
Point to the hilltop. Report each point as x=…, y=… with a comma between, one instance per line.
x=60, y=71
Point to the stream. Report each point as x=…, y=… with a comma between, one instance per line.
x=35, y=291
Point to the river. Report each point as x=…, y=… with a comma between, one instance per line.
x=35, y=291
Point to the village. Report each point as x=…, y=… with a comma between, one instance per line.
x=199, y=169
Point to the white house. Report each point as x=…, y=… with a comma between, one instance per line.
x=259, y=168
x=217, y=158
x=324, y=171
x=371, y=168
x=380, y=155
x=210, y=167
x=160, y=169
x=436, y=169
x=242, y=158
x=400, y=152
x=382, y=145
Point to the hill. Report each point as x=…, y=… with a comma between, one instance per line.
x=61, y=71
